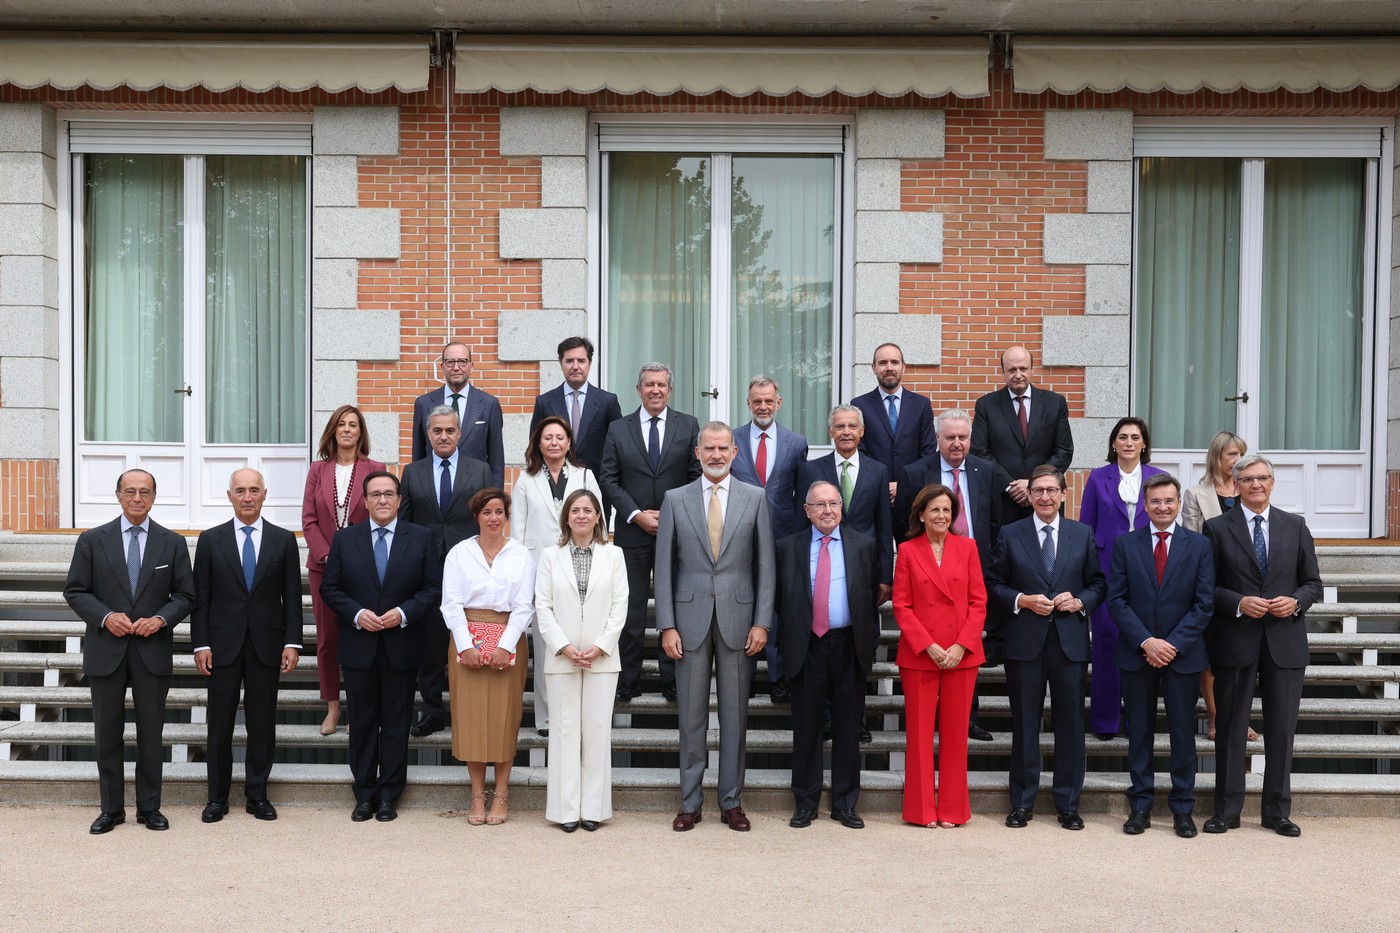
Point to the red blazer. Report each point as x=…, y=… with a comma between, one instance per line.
x=318, y=506
x=944, y=604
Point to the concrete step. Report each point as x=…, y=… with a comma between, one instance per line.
x=1340, y=559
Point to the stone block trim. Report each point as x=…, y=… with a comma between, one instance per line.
x=1090, y=443
x=899, y=236
x=356, y=233
x=920, y=336
x=1108, y=289
x=335, y=181
x=355, y=131
x=28, y=280
x=28, y=178
x=563, y=181
x=356, y=335
x=335, y=283
x=1111, y=187
x=336, y=384
x=564, y=284
x=544, y=233
x=28, y=434
x=1075, y=340
x=29, y=331
x=1083, y=239
x=877, y=288
x=1106, y=392
x=877, y=184
x=535, y=335
x=544, y=131
x=386, y=435
x=29, y=382
x=28, y=128
x=1088, y=135
x=900, y=134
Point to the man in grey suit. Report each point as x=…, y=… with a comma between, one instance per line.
x=714, y=605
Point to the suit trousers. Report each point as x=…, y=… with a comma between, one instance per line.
x=148, y=692
x=940, y=699
x=259, y=684
x=640, y=562
x=829, y=673
x=580, y=747
x=381, y=709
x=1026, y=682
x=733, y=674
x=1105, y=693
x=539, y=680
x=1281, y=690
x=432, y=672
x=327, y=640
x=1178, y=692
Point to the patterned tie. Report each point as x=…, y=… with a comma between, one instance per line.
x=576, y=413
x=894, y=415
x=654, y=444
x=714, y=519
x=959, y=523
x=133, y=558
x=760, y=462
x=1261, y=553
x=250, y=559
x=821, y=591
x=1021, y=416
x=845, y=485
x=381, y=554
x=445, y=488
x=1159, y=553
x=456, y=407
x=1047, y=553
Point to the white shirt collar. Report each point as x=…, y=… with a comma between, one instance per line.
x=257, y=525
x=1041, y=526
x=375, y=526
x=1170, y=529
x=1249, y=517
x=722, y=484
x=1026, y=394
x=581, y=390
x=127, y=526
x=854, y=459
x=647, y=416
x=897, y=394
x=947, y=467
x=447, y=392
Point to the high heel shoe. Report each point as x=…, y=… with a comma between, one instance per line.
x=329, y=724
x=497, y=819
x=473, y=819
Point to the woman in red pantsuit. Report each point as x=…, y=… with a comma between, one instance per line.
x=334, y=498
x=940, y=605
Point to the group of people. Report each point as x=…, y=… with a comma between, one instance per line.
x=431, y=581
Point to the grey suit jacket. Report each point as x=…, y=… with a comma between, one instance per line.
x=692, y=587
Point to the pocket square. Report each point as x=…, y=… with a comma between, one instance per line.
x=161, y=567
x=481, y=422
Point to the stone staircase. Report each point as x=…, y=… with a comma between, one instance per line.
x=1345, y=753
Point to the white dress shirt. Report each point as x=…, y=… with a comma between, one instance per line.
x=507, y=584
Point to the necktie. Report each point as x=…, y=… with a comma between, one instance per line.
x=576, y=413
x=1047, y=553
x=760, y=461
x=381, y=553
x=845, y=485
x=714, y=518
x=894, y=415
x=1022, y=418
x=133, y=558
x=1261, y=553
x=959, y=523
x=654, y=444
x=1159, y=554
x=821, y=591
x=456, y=407
x=445, y=488
x=250, y=559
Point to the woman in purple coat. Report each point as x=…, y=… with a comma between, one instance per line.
x=1112, y=505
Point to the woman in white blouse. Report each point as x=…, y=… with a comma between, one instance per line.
x=580, y=604
x=551, y=473
x=488, y=589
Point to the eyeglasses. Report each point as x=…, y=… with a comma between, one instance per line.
x=456, y=364
x=1253, y=480
x=824, y=506
x=1160, y=503
x=138, y=493
x=379, y=496
x=1044, y=492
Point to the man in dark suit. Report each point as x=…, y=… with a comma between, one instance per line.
x=1161, y=590
x=646, y=453
x=130, y=581
x=1045, y=575
x=769, y=456
x=828, y=579
x=898, y=423
x=383, y=580
x=478, y=413
x=588, y=409
x=1021, y=429
x=246, y=629
x=978, y=484
x=436, y=492
x=1266, y=578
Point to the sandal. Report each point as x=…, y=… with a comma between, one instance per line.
x=1253, y=736
x=473, y=819
x=497, y=819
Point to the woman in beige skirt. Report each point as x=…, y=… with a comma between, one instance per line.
x=488, y=580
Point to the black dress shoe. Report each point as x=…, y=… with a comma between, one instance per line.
x=1184, y=826
x=1070, y=819
x=848, y=818
x=1105, y=736
x=1138, y=821
x=1219, y=824
x=106, y=822
x=426, y=726
x=542, y=733
x=386, y=813
x=865, y=736
x=976, y=731
x=669, y=692
x=363, y=811
x=153, y=819
x=262, y=809
x=1281, y=825
x=780, y=693
x=589, y=826
x=1019, y=817
x=569, y=826
x=214, y=811
x=801, y=818
x=626, y=691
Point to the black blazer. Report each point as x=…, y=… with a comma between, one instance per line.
x=996, y=436
x=98, y=584
x=916, y=438
x=793, y=600
x=225, y=611
x=600, y=409
x=985, y=482
x=869, y=513
x=1292, y=571
x=481, y=429
x=627, y=479
x=412, y=583
x=419, y=502
x=1016, y=568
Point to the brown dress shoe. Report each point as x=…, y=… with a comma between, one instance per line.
x=684, y=822
x=735, y=818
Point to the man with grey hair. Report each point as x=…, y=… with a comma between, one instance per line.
x=863, y=482
x=646, y=454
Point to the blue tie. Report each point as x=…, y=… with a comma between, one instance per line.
x=1261, y=553
x=654, y=445
x=250, y=560
x=381, y=554
x=133, y=558
x=894, y=415
x=1047, y=553
x=445, y=488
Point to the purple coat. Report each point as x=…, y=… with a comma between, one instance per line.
x=1102, y=510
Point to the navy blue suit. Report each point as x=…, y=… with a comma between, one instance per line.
x=1177, y=610
x=869, y=512
x=600, y=409
x=915, y=438
x=481, y=428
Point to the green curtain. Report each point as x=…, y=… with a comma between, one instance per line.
x=1187, y=298
x=1313, y=304
x=133, y=314
x=255, y=299
x=782, y=223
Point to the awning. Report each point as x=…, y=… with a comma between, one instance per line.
x=1185, y=66
x=738, y=66
x=218, y=64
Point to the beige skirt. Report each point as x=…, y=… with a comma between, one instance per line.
x=486, y=703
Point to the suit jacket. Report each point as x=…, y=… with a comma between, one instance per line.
x=420, y=504
x=412, y=583
x=534, y=518
x=870, y=503
x=1199, y=505
x=692, y=587
x=793, y=596
x=939, y=604
x=1292, y=571
x=597, y=619
x=481, y=429
x=318, y=506
x=786, y=454
x=98, y=584
x=1102, y=510
x=985, y=482
x=915, y=439
x=226, y=612
x=600, y=409
x=628, y=479
x=1016, y=568
x=1177, y=609
x=996, y=435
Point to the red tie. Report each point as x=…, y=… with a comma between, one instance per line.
x=960, y=523
x=1021, y=417
x=821, y=591
x=760, y=462
x=1159, y=553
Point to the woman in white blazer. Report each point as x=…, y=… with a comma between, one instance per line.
x=551, y=473
x=580, y=607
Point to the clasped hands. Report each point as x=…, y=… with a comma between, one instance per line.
x=498, y=659
x=378, y=623
x=946, y=658
x=671, y=642
x=584, y=658
x=1159, y=652
x=120, y=625
x=1256, y=607
x=1044, y=605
